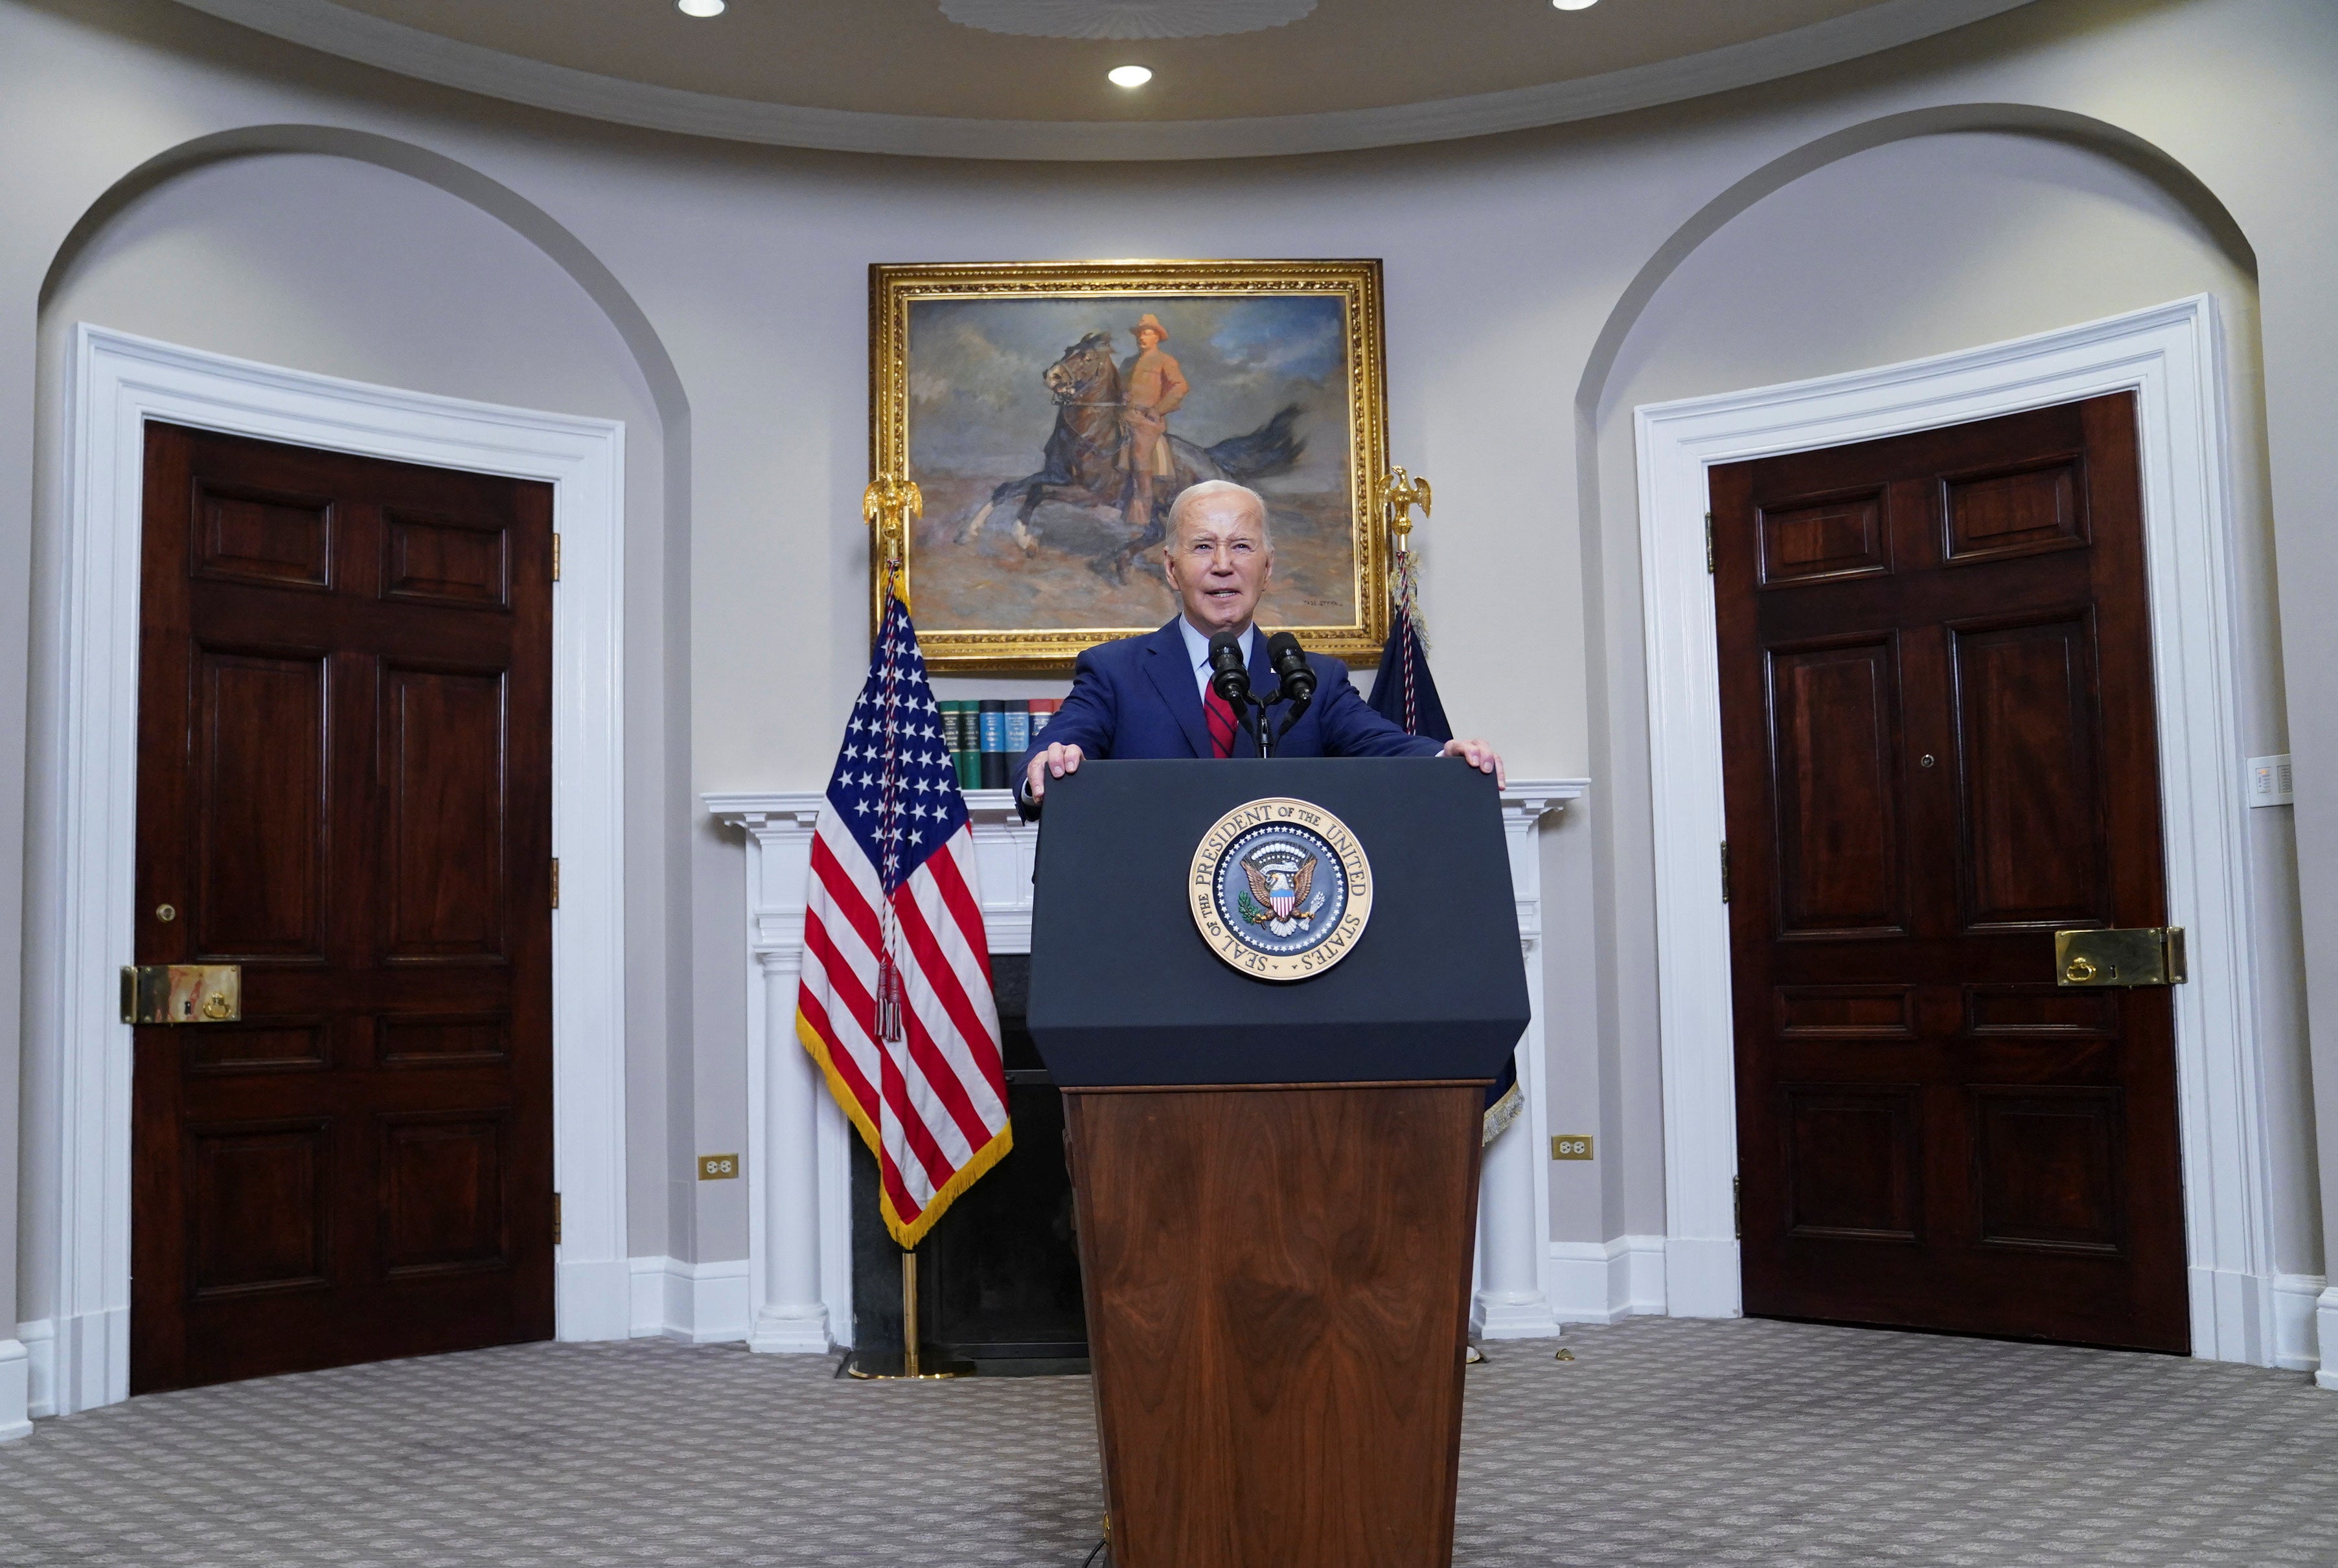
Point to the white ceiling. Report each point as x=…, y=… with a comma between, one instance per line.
x=1262, y=76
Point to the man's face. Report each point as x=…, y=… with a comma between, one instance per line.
x=1219, y=562
x=1147, y=337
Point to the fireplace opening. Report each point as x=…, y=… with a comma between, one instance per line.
x=999, y=1276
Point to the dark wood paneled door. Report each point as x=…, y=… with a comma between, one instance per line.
x=1939, y=747
x=344, y=785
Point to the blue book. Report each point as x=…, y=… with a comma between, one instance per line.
x=995, y=758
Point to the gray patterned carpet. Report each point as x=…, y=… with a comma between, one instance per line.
x=1662, y=1443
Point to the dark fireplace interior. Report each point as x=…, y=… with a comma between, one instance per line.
x=999, y=1276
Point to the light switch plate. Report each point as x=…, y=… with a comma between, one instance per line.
x=2269, y=783
x=717, y=1167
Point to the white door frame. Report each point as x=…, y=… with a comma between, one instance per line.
x=83, y=811
x=2170, y=357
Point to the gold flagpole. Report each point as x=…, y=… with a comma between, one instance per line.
x=889, y=505
x=909, y=1334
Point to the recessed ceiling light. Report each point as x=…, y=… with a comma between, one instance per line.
x=1575, y=4
x=700, y=7
x=1128, y=75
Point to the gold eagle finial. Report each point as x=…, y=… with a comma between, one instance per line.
x=889, y=505
x=1400, y=493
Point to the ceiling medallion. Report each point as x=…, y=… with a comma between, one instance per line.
x=1124, y=18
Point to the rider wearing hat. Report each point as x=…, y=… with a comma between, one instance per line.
x=1153, y=385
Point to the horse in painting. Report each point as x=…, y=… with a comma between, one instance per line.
x=1081, y=465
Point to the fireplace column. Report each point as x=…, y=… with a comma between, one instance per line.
x=792, y=1317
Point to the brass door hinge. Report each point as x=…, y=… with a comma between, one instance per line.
x=555, y=1218
x=1724, y=870
x=1737, y=1207
x=556, y=881
x=1708, y=543
x=555, y=557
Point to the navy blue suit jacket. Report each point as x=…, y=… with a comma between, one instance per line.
x=1136, y=698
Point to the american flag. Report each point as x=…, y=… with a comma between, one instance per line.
x=895, y=1004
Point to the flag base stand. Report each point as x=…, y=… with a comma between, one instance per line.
x=881, y=1368
x=914, y=1364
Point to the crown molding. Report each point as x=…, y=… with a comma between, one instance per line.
x=412, y=51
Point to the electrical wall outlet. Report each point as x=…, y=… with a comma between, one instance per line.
x=717, y=1167
x=1570, y=1146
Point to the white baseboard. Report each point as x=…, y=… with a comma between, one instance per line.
x=2326, y=1324
x=696, y=1303
x=646, y=1316
x=2232, y=1316
x=1602, y=1281
x=15, y=1390
x=2294, y=1341
x=90, y=1360
x=40, y=1342
x=1701, y=1277
x=594, y=1299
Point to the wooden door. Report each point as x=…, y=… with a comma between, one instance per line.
x=1939, y=747
x=344, y=785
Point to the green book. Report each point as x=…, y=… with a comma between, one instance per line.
x=953, y=728
x=964, y=744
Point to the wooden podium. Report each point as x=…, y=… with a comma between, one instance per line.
x=1276, y=1184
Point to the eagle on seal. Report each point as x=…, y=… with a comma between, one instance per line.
x=1281, y=888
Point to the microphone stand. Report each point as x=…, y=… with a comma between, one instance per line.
x=1299, y=706
x=1295, y=680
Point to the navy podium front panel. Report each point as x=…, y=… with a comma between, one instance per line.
x=1124, y=992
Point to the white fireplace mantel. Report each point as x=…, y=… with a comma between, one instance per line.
x=799, y=1171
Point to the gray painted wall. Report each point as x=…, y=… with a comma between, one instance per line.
x=714, y=297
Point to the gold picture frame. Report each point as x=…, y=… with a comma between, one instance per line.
x=987, y=377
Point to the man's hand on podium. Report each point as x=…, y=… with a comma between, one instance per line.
x=1480, y=755
x=1053, y=763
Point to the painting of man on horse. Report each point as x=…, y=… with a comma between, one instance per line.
x=1112, y=445
x=1048, y=463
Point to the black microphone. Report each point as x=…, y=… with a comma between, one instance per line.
x=1228, y=675
x=1289, y=660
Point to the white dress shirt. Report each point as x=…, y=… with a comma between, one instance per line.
x=1197, y=649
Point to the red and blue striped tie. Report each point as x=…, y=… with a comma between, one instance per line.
x=1221, y=715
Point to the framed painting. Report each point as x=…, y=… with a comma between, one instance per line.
x=1050, y=414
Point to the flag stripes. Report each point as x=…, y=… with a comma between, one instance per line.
x=891, y=902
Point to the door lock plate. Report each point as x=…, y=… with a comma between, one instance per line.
x=2136, y=956
x=182, y=993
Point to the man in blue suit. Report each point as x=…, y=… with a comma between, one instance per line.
x=1150, y=696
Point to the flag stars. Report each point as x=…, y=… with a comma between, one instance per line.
x=894, y=774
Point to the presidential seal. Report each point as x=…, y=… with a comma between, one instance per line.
x=1279, y=888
